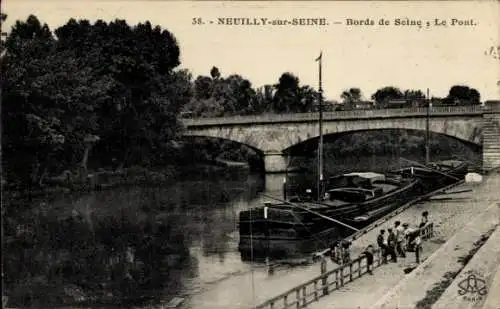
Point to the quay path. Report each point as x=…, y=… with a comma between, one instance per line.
x=448, y=213
x=459, y=223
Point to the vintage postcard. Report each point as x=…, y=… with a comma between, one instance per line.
x=250, y=154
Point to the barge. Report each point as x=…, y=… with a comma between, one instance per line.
x=304, y=224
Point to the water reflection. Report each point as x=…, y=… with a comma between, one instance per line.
x=126, y=244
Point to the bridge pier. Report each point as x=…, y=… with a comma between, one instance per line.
x=275, y=162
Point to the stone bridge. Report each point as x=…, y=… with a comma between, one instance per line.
x=274, y=134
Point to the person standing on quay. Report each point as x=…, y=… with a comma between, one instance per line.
x=417, y=244
x=399, y=239
x=406, y=235
x=346, y=254
x=382, y=244
x=334, y=251
x=424, y=220
x=369, y=259
x=391, y=245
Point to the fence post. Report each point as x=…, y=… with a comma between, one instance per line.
x=315, y=290
x=342, y=276
x=304, y=295
x=350, y=271
x=324, y=278
x=325, y=284
x=336, y=279
x=359, y=268
x=285, y=301
x=297, y=293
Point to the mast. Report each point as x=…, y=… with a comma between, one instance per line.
x=427, y=132
x=320, y=144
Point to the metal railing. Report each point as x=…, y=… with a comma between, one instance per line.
x=322, y=285
x=356, y=114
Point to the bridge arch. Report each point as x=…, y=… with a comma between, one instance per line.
x=312, y=142
x=218, y=145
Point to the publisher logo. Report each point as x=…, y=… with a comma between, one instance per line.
x=473, y=287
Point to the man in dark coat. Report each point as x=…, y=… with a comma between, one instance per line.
x=391, y=245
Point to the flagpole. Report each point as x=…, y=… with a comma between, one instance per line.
x=320, y=145
x=427, y=133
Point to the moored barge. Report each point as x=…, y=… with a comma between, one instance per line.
x=357, y=199
x=303, y=226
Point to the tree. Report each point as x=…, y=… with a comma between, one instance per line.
x=203, y=87
x=286, y=98
x=236, y=94
x=463, y=95
x=215, y=73
x=140, y=61
x=413, y=94
x=291, y=97
x=32, y=132
x=109, y=83
x=308, y=98
x=217, y=96
x=263, y=100
x=351, y=96
x=387, y=93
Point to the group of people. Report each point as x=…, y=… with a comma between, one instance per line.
x=400, y=239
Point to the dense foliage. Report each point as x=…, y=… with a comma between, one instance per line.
x=216, y=96
x=107, y=85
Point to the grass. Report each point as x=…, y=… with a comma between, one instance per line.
x=433, y=294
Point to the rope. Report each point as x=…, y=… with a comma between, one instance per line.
x=431, y=169
x=313, y=212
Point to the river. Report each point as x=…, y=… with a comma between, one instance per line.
x=193, y=223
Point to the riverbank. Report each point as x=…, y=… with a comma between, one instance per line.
x=71, y=183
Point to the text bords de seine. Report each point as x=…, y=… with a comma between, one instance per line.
x=261, y=21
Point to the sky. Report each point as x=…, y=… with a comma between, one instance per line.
x=364, y=56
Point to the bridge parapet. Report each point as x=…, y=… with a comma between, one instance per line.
x=344, y=115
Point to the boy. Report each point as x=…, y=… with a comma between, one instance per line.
x=369, y=258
